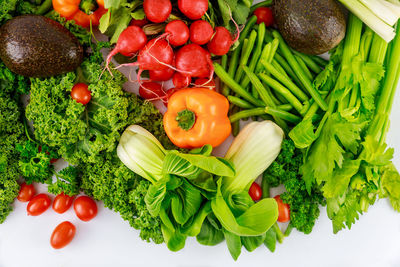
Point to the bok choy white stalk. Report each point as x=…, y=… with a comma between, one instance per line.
x=141, y=152
x=253, y=150
x=379, y=15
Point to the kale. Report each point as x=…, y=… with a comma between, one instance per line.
x=304, y=207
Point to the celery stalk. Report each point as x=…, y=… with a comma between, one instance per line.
x=381, y=11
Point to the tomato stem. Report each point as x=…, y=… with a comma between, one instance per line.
x=186, y=119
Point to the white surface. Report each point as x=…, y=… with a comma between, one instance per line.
x=107, y=240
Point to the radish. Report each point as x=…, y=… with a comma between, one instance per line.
x=131, y=40
x=221, y=42
x=192, y=60
x=205, y=83
x=201, y=32
x=151, y=90
x=193, y=9
x=138, y=22
x=156, y=55
x=157, y=11
x=181, y=81
x=177, y=32
x=161, y=75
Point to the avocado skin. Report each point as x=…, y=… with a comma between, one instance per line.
x=36, y=46
x=310, y=26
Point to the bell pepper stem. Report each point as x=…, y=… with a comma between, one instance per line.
x=88, y=6
x=186, y=119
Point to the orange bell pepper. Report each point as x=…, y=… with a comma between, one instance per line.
x=197, y=117
x=71, y=10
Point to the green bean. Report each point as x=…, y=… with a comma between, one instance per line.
x=264, y=95
x=275, y=45
x=285, y=107
x=257, y=53
x=227, y=79
x=240, y=102
x=319, y=60
x=309, y=62
x=261, y=4
x=282, y=90
x=235, y=55
x=266, y=110
x=301, y=75
x=245, y=55
x=280, y=69
x=282, y=62
x=284, y=80
x=224, y=63
x=303, y=66
x=265, y=187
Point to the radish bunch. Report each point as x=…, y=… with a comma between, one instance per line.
x=181, y=53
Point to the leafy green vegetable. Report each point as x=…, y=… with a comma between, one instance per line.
x=68, y=182
x=11, y=134
x=304, y=207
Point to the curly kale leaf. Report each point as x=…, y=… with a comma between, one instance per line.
x=68, y=182
x=122, y=191
x=304, y=207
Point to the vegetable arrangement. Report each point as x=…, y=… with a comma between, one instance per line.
x=122, y=151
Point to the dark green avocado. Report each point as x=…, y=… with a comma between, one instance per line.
x=310, y=26
x=36, y=46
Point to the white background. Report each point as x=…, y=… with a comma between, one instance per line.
x=107, y=240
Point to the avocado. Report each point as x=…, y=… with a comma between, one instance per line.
x=310, y=26
x=36, y=46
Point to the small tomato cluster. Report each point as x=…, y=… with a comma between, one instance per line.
x=85, y=209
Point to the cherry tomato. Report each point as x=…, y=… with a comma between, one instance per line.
x=264, y=14
x=62, y=203
x=205, y=82
x=62, y=235
x=151, y=90
x=138, y=22
x=81, y=94
x=26, y=192
x=255, y=191
x=38, y=204
x=85, y=208
x=284, y=210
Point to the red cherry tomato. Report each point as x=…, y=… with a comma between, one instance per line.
x=38, y=204
x=284, y=210
x=26, y=192
x=264, y=14
x=255, y=191
x=62, y=203
x=62, y=235
x=151, y=90
x=85, y=208
x=81, y=94
x=138, y=22
x=205, y=82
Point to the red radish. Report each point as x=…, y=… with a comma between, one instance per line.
x=264, y=14
x=177, y=32
x=201, y=32
x=138, y=22
x=221, y=42
x=206, y=83
x=181, y=81
x=131, y=40
x=151, y=90
x=156, y=55
x=161, y=75
x=157, y=11
x=192, y=60
x=193, y=9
